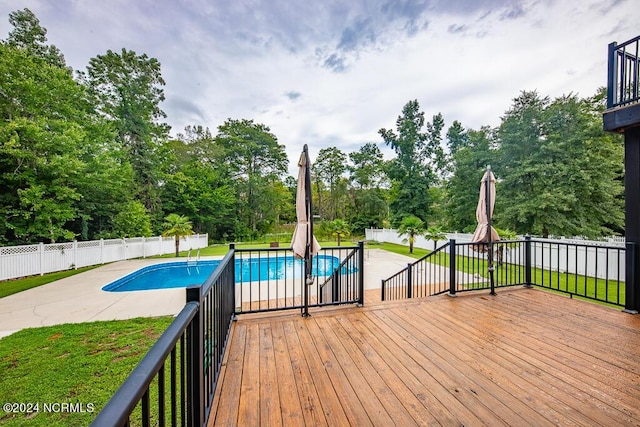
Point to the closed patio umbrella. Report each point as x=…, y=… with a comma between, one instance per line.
x=304, y=243
x=485, y=234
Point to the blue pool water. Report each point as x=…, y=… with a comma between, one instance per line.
x=181, y=275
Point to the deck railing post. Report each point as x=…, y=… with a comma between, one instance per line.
x=452, y=267
x=630, y=279
x=409, y=281
x=195, y=361
x=382, y=286
x=611, y=75
x=232, y=247
x=527, y=262
x=361, y=272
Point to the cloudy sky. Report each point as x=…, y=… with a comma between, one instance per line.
x=331, y=73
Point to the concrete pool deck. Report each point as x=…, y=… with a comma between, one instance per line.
x=80, y=298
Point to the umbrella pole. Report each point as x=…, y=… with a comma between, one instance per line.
x=487, y=190
x=308, y=280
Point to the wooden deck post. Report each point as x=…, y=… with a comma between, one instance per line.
x=632, y=218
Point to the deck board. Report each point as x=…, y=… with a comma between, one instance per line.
x=523, y=357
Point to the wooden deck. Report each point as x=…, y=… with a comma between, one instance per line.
x=523, y=357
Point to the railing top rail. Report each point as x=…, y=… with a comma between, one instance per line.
x=589, y=244
x=213, y=278
x=288, y=248
x=430, y=254
x=124, y=401
x=628, y=42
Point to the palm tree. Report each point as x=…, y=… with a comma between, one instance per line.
x=411, y=226
x=340, y=229
x=177, y=226
x=435, y=234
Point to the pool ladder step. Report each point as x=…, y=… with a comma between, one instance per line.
x=193, y=262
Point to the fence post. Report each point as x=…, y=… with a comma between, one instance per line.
x=527, y=262
x=41, y=252
x=452, y=267
x=409, y=284
x=361, y=272
x=195, y=361
x=75, y=254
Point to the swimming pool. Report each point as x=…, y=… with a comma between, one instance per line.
x=183, y=274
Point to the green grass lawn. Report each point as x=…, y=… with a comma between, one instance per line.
x=73, y=363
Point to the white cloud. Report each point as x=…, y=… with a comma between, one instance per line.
x=269, y=61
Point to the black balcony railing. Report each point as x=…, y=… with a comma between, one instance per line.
x=175, y=382
x=588, y=271
x=623, y=73
x=187, y=358
x=272, y=279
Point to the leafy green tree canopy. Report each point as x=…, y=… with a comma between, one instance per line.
x=28, y=35
x=419, y=156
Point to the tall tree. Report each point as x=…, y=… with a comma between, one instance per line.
x=413, y=170
x=127, y=89
x=457, y=137
x=469, y=163
x=41, y=148
x=366, y=174
x=366, y=169
x=560, y=173
x=255, y=160
x=28, y=35
x=329, y=167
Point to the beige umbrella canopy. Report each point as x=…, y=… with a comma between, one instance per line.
x=484, y=212
x=303, y=233
x=304, y=243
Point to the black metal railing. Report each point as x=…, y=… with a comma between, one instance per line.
x=623, y=73
x=272, y=279
x=346, y=283
x=176, y=380
x=190, y=351
x=456, y=267
x=424, y=277
x=593, y=272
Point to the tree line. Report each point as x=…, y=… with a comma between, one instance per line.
x=87, y=154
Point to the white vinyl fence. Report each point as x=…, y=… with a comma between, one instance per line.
x=29, y=260
x=602, y=259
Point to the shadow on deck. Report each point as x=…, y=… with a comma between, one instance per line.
x=523, y=357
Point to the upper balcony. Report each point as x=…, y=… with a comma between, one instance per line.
x=623, y=96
